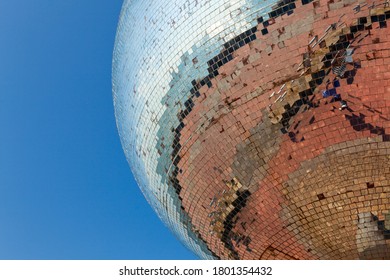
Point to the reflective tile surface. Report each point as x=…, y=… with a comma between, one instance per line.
x=260, y=129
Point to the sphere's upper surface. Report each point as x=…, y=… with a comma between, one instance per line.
x=259, y=129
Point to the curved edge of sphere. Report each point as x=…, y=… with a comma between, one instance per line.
x=154, y=40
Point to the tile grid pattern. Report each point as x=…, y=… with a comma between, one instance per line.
x=253, y=154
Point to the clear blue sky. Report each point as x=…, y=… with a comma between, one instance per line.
x=66, y=191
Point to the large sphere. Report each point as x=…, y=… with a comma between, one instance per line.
x=260, y=129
